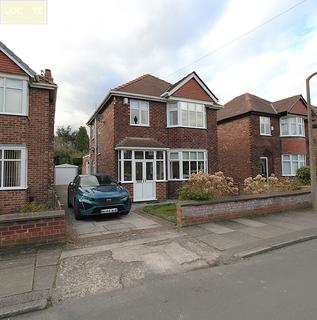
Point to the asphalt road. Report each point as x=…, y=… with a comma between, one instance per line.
x=277, y=285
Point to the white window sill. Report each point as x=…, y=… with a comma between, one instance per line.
x=265, y=135
x=13, y=188
x=288, y=175
x=293, y=136
x=189, y=127
x=13, y=114
x=139, y=125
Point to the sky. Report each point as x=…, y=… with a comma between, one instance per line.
x=93, y=46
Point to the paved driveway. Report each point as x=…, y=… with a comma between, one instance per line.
x=106, y=225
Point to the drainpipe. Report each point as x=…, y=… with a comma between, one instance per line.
x=312, y=163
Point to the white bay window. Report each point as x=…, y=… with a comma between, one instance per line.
x=292, y=126
x=184, y=163
x=12, y=167
x=13, y=95
x=186, y=114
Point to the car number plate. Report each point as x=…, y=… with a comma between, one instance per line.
x=109, y=210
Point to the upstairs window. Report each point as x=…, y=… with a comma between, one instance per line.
x=265, y=126
x=139, y=113
x=292, y=126
x=13, y=96
x=186, y=114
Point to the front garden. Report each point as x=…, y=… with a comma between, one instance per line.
x=204, y=187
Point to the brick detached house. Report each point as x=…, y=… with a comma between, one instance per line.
x=151, y=135
x=256, y=136
x=27, y=110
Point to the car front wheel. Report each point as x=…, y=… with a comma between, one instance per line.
x=78, y=215
x=69, y=204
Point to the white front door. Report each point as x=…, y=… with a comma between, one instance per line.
x=144, y=185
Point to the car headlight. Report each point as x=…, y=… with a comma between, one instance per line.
x=82, y=198
x=124, y=199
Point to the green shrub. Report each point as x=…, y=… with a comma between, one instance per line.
x=33, y=207
x=186, y=193
x=303, y=175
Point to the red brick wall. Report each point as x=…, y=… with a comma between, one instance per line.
x=106, y=155
x=161, y=190
x=37, y=132
x=8, y=66
x=189, y=214
x=12, y=200
x=294, y=146
x=265, y=146
x=234, y=148
x=46, y=230
x=85, y=161
x=192, y=90
x=173, y=187
x=299, y=108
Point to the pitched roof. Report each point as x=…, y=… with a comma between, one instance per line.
x=243, y=104
x=286, y=104
x=17, y=60
x=136, y=142
x=145, y=85
x=188, y=77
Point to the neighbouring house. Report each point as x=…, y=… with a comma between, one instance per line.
x=256, y=136
x=151, y=135
x=27, y=111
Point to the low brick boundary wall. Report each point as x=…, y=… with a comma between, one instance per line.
x=32, y=228
x=243, y=206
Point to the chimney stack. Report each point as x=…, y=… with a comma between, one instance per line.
x=48, y=75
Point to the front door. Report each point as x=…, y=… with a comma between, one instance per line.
x=144, y=185
x=264, y=170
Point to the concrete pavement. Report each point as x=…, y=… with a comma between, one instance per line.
x=111, y=264
x=26, y=278
x=280, y=285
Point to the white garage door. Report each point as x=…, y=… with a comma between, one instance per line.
x=65, y=173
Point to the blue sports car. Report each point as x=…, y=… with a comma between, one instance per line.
x=97, y=194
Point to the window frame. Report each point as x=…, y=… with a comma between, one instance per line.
x=139, y=113
x=23, y=160
x=299, y=122
x=133, y=159
x=265, y=121
x=24, y=98
x=291, y=161
x=181, y=160
x=177, y=105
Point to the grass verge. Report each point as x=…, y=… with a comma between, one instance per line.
x=163, y=211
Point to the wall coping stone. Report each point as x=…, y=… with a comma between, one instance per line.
x=243, y=198
x=29, y=216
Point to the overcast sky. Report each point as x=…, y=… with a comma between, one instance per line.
x=92, y=46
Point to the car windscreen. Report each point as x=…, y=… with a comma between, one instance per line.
x=90, y=181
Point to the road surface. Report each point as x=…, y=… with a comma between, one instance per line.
x=278, y=285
